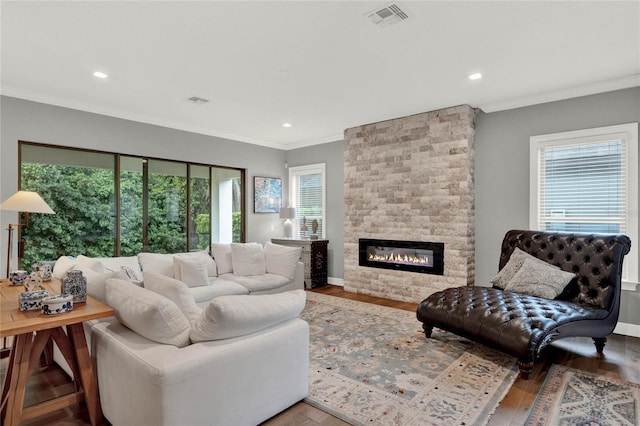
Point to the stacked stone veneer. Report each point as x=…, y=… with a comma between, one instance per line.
x=411, y=178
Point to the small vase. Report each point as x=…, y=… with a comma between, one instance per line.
x=75, y=284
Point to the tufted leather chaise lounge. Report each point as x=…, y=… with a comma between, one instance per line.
x=523, y=325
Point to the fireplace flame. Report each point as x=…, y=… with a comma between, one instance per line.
x=399, y=258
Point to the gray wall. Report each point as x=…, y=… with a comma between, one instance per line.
x=332, y=154
x=502, y=168
x=36, y=122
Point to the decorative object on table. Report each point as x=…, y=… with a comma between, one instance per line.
x=75, y=284
x=288, y=213
x=18, y=277
x=32, y=300
x=303, y=227
x=314, y=229
x=57, y=304
x=570, y=396
x=388, y=374
x=27, y=202
x=34, y=282
x=45, y=269
x=267, y=194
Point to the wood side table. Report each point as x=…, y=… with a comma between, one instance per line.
x=32, y=331
x=314, y=257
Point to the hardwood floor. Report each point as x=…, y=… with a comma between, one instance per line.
x=619, y=361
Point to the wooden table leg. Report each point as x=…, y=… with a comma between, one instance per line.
x=18, y=379
x=85, y=368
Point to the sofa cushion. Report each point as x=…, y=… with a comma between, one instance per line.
x=256, y=283
x=281, y=260
x=513, y=265
x=149, y=314
x=222, y=255
x=158, y=262
x=92, y=263
x=174, y=290
x=192, y=272
x=128, y=264
x=539, y=279
x=201, y=256
x=232, y=316
x=248, y=259
x=62, y=266
x=96, y=282
x=218, y=287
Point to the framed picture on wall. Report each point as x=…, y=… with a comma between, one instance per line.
x=267, y=194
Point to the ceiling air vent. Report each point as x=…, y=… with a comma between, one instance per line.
x=388, y=15
x=198, y=100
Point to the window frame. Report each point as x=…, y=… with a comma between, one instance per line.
x=310, y=169
x=628, y=135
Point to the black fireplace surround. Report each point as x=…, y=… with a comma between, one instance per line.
x=413, y=256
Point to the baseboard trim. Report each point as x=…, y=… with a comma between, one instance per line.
x=626, y=329
x=335, y=281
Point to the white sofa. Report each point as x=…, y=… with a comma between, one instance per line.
x=186, y=355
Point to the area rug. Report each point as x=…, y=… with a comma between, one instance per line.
x=372, y=364
x=574, y=397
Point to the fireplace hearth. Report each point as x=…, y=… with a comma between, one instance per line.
x=412, y=256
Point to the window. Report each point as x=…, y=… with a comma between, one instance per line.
x=587, y=181
x=307, y=195
x=109, y=204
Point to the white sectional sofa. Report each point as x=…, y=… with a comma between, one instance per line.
x=182, y=351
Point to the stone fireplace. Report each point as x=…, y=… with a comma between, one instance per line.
x=410, y=180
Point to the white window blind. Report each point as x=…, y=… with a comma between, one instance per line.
x=307, y=195
x=587, y=181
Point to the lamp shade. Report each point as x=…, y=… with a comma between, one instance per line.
x=288, y=213
x=26, y=201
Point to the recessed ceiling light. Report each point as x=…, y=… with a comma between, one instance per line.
x=475, y=76
x=287, y=125
x=100, y=74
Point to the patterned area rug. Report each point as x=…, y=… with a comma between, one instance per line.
x=373, y=365
x=574, y=397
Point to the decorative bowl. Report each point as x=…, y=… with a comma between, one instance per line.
x=32, y=300
x=57, y=304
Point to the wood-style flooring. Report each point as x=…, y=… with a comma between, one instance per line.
x=579, y=353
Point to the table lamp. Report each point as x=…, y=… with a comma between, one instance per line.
x=288, y=213
x=27, y=202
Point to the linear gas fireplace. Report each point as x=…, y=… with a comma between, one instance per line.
x=413, y=256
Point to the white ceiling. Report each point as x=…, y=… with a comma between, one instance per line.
x=322, y=66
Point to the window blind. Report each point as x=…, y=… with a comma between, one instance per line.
x=307, y=194
x=582, y=187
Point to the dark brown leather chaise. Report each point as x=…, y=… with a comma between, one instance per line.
x=523, y=325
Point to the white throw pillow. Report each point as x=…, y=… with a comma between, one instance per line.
x=96, y=282
x=222, y=255
x=248, y=259
x=62, y=266
x=201, y=256
x=539, y=279
x=174, y=290
x=147, y=313
x=232, y=316
x=281, y=260
x=513, y=265
x=161, y=263
x=192, y=272
x=94, y=264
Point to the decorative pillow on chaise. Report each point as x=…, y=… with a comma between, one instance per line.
x=539, y=279
x=281, y=260
x=513, y=265
x=149, y=314
x=232, y=316
x=174, y=290
x=248, y=259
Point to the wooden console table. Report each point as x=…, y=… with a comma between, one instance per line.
x=314, y=257
x=32, y=331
